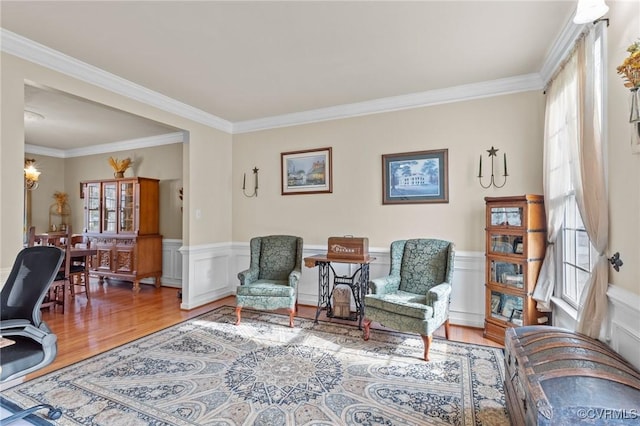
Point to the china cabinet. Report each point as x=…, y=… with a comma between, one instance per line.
x=122, y=223
x=515, y=248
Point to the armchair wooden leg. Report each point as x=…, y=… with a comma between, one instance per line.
x=238, y=309
x=446, y=329
x=427, y=344
x=292, y=314
x=367, y=325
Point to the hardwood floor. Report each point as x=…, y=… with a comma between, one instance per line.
x=115, y=316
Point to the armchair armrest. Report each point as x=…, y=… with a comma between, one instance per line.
x=248, y=275
x=385, y=285
x=294, y=278
x=439, y=293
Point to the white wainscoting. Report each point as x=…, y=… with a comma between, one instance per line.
x=207, y=274
x=624, y=324
x=212, y=271
x=171, y=264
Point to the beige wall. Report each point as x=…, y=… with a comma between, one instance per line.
x=624, y=166
x=208, y=155
x=64, y=175
x=511, y=123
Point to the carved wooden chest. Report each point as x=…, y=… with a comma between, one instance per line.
x=348, y=248
x=558, y=377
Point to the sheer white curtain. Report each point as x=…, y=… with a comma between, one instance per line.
x=561, y=132
x=589, y=179
x=575, y=160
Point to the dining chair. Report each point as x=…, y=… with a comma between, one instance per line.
x=51, y=298
x=57, y=292
x=79, y=268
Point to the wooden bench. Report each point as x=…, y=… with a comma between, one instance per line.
x=558, y=377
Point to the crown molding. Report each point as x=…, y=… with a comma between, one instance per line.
x=47, y=57
x=43, y=150
x=465, y=92
x=560, y=49
x=151, y=141
x=31, y=51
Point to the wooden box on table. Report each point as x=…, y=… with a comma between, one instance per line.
x=558, y=377
x=348, y=248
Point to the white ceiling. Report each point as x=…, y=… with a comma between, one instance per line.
x=245, y=61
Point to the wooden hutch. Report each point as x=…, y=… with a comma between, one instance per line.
x=121, y=220
x=516, y=236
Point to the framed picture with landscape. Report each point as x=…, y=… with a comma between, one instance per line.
x=415, y=177
x=306, y=172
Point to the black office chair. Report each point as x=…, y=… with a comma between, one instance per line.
x=32, y=345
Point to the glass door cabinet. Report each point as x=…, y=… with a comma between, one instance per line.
x=122, y=223
x=515, y=248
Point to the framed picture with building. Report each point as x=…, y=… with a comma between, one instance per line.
x=415, y=177
x=306, y=172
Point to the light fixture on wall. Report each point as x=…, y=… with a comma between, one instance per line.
x=31, y=174
x=589, y=11
x=492, y=182
x=255, y=184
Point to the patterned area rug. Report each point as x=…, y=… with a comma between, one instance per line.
x=207, y=371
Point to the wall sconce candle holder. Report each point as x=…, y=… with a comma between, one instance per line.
x=31, y=174
x=492, y=182
x=255, y=184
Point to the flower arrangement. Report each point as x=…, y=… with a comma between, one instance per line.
x=61, y=199
x=119, y=166
x=630, y=68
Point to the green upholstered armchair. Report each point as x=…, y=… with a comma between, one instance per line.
x=271, y=282
x=415, y=296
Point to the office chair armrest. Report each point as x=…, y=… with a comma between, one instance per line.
x=26, y=329
x=13, y=324
x=385, y=285
x=439, y=293
x=248, y=276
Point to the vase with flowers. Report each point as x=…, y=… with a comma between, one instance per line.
x=630, y=72
x=119, y=166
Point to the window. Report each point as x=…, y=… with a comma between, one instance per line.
x=577, y=252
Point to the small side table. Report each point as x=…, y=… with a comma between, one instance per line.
x=358, y=283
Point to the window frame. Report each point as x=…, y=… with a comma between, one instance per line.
x=573, y=272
